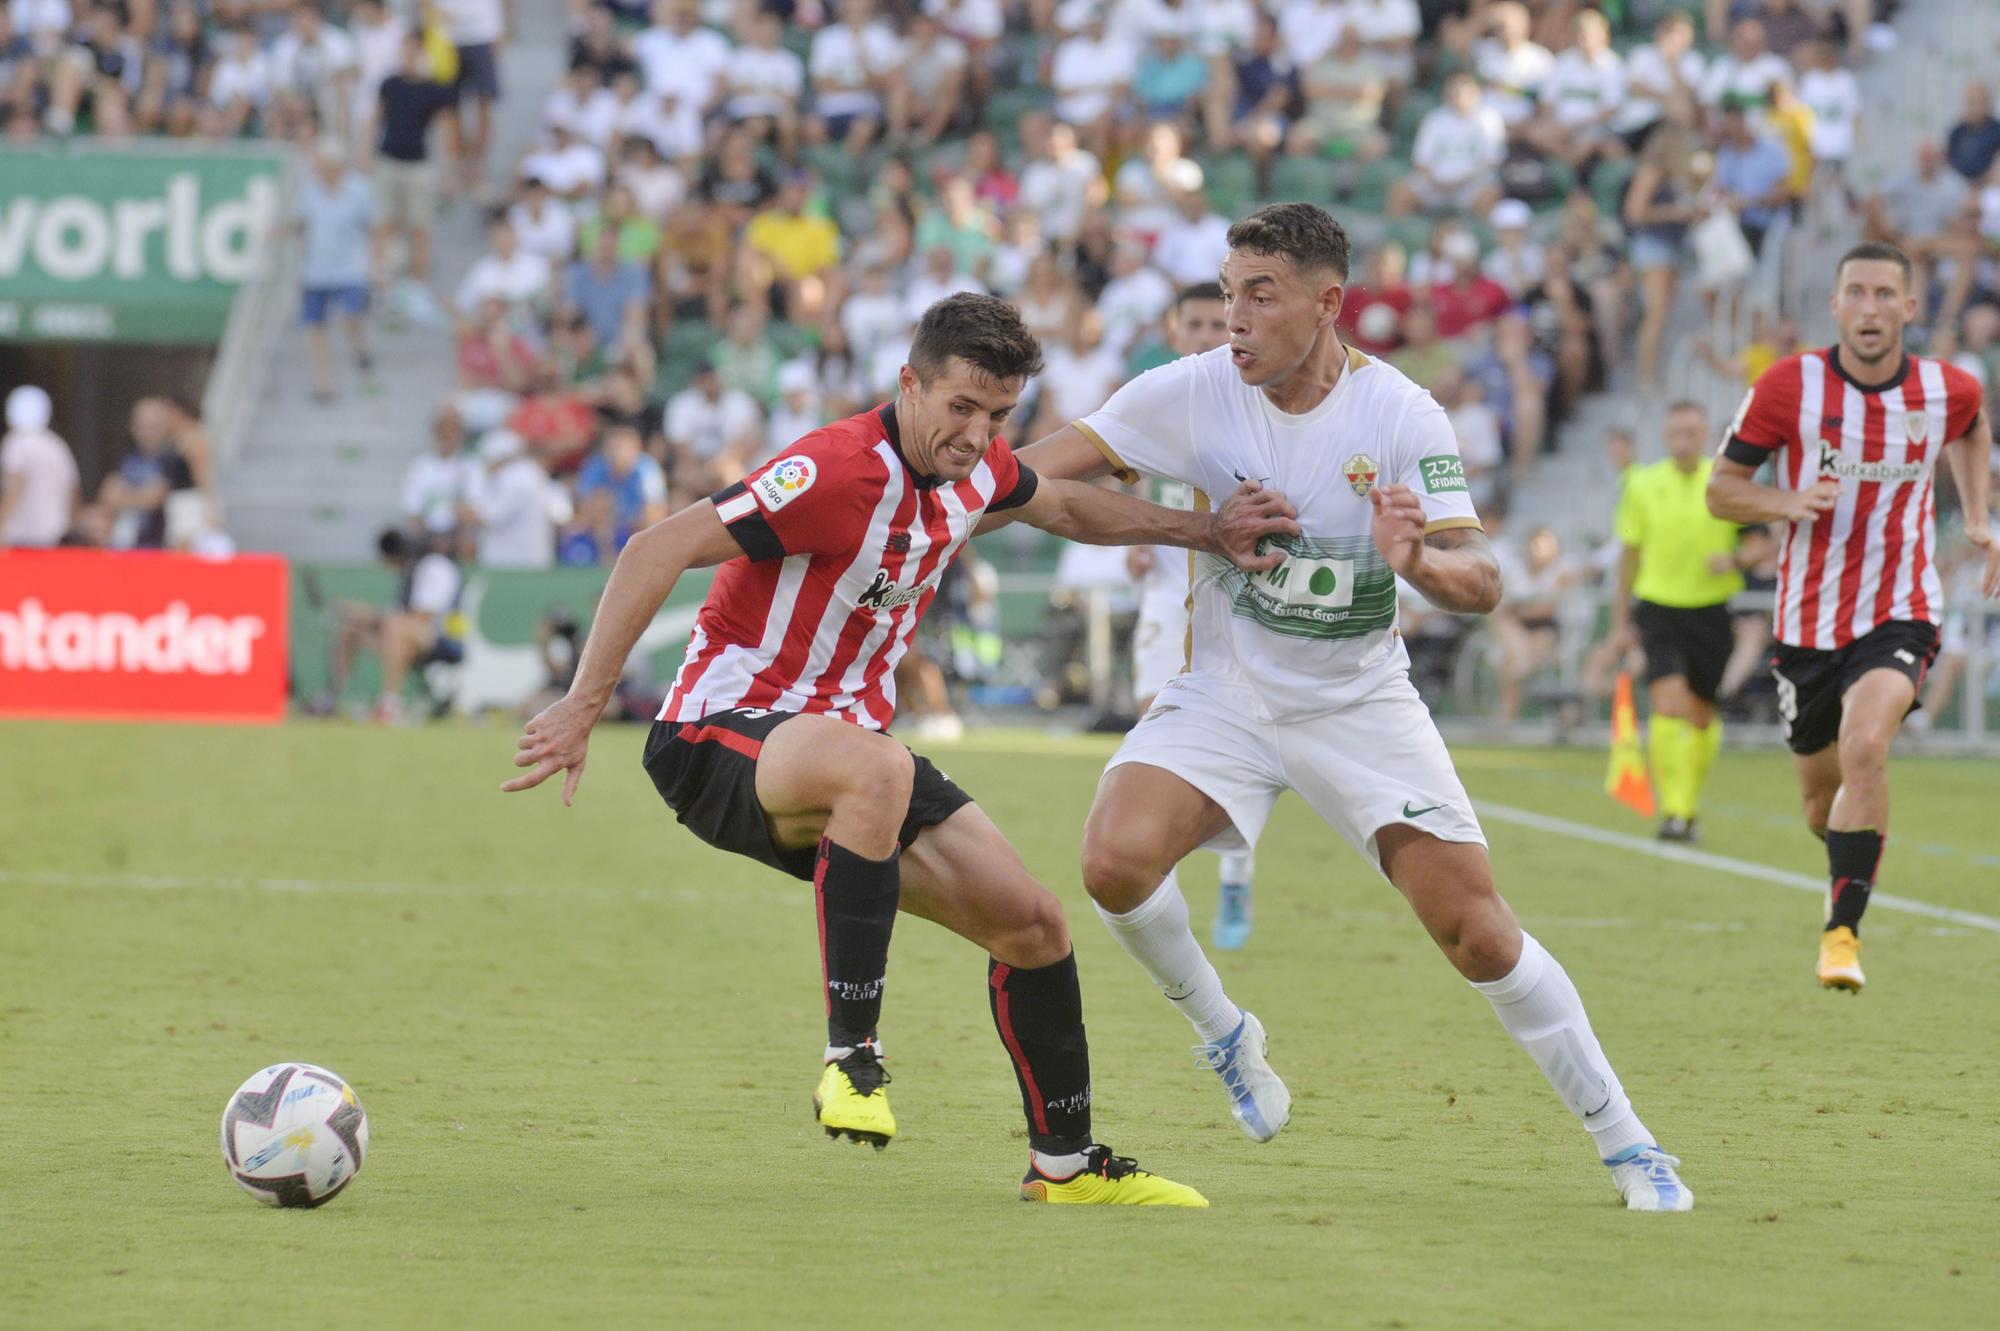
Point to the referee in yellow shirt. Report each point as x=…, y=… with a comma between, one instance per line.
x=1675, y=578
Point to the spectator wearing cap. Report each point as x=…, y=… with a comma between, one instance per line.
x=335, y=210
x=712, y=433
x=857, y=78
x=1092, y=73
x=406, y=104
x=1516, y=262
x=1667, y=67
x=934, y=77
x=39, y=485
x=797, y=412
x=790, y=252
x=1060, y=180
x=1579, y=100
x=515, y=509
x=1510, y=65
x=613, y=295
x=765, y=85
x=1345, y=89
x=1455, y=162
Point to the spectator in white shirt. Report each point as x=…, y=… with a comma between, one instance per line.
x=1834, y=97
x=934, y=76
x=1656, y=73
x=517, y=509
x=682, y=60
x=439, y=483
x=765, y=83
x=1510, y=65
x=939, y=277
x=543, y=224
x=239, y=87
x=1345, y=91
x=1456, y=159
x=712, y=433
x=571, y=168
x=1389, y=29
x=873, y=315
x=1579, y=100
x=797, y=412
x=1310, y=28
x=313, y=69
x=658, y=187
x=1136, y=298
x=857, y=78
x=1060, y=181
x=1743, y=75
x=506, y=272
x=1080, y=375
x=38, y=477
x=1092, y=73
x=1192, y=247
x=1477, y=429
x=378, y=52
x=582, y=105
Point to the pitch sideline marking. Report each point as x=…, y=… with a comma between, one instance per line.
x=1702, y=859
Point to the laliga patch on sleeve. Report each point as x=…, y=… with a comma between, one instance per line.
x=1444, y=474
x=787, y=479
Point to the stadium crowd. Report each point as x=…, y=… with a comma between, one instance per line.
x=734, y=212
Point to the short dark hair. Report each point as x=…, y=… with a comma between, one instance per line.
x=1302, y=232
x=1878, y=250
x=983, y=331
x=1198, y=291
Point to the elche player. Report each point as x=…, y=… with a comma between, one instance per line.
x=1299, y=679
x=771, y=743
x=1161, y=642
x=1852, y=433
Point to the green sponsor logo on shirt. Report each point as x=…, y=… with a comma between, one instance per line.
x=1444, y=474
x=1324, y=589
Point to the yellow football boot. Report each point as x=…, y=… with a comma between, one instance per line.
x=1840, y=960
x=850, y=1100
x=1108, y=1180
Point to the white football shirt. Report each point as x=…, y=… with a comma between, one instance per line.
x=1318, y=631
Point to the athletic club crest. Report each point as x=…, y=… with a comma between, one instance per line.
x=1361, y=472
x=1917, y=424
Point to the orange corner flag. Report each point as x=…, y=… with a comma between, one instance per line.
x=1627, y=782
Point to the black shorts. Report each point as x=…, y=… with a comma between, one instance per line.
x=1692, y=641
x=478, y=73
x=706, y=771
x=1811, y=682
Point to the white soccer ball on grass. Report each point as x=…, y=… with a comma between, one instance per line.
x=294, y=1135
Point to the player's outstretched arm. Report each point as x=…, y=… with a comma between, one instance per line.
x=1096, y=516
x=642, y=579
x=1066, y=455
x=1454, y=568
x=1735, y=497
x=1970, y=457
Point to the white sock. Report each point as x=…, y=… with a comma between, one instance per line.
x=1540, y=1008
x=1238, y=867
x=1058, y=1166
x=1158, y=937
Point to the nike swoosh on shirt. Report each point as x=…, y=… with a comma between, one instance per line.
x=1408, y=812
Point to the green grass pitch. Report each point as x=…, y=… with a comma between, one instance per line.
x=587, y=1046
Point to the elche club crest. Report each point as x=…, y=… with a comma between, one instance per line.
x=1361, y=472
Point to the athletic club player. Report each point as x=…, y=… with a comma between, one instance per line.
x=771, y=746
x=1853, y=433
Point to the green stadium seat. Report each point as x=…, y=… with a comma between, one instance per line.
x=1306, y=180
x=1231, y=181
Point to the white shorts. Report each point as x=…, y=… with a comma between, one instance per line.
x=1159, y=644
x=1376, y=761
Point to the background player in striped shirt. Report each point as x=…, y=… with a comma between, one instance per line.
x=1853, y=433
x=770, y=744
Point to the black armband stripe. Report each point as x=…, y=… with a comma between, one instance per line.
x=1024, y=490
x=744, y=519
x=1739, y=449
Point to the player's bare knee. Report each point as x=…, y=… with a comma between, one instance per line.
x=1481, y=939
x=1117, y=872
x=879, y=774
x=1039, y=936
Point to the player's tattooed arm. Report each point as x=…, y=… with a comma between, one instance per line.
x=1454, y=568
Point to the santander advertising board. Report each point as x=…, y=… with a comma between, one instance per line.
x=143, y=635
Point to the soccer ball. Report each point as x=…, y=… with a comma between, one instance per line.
x=294, y=1135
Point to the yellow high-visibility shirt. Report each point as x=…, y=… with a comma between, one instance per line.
x=1663, y=514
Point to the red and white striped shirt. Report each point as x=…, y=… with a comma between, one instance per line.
x=843, y=547
x=1869, y=559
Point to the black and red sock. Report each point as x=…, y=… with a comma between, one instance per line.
x=1039, y=1014
x=1852, y=860
x=857, y=900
